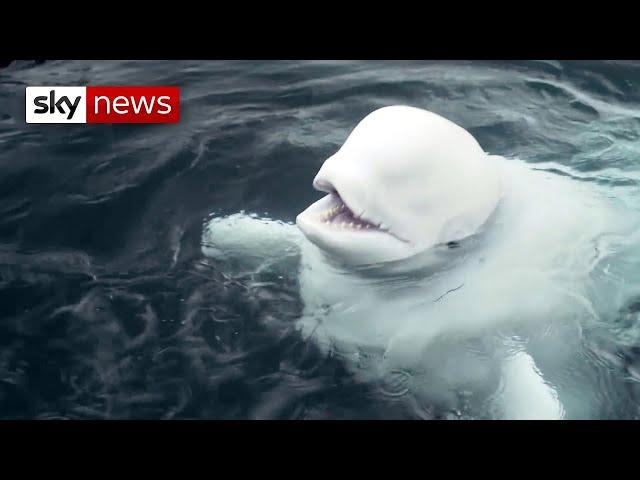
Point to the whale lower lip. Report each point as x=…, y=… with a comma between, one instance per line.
x=331, y=216
x=333, y=227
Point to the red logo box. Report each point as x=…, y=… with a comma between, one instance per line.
x=106, y=104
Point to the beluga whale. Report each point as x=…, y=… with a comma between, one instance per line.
x=404, y=181
x=453, y=279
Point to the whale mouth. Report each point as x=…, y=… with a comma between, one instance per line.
x=347, y=232
x=339, y=215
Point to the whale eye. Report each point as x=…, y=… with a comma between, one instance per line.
x=453, y=244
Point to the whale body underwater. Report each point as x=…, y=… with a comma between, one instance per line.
x=448, y=276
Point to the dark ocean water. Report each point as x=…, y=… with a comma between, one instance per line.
x=108, y=307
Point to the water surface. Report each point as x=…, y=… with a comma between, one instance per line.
x=109, y=309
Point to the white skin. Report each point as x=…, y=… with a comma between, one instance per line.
x=377, y=276
x=420, y=178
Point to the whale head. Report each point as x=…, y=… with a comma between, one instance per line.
x=404, y=181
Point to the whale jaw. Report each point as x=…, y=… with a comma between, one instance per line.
x=336, y=229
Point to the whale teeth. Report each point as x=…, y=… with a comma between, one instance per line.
x=329, y=213
x=341, y=216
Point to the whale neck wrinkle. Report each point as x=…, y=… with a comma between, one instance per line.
x=349, y=283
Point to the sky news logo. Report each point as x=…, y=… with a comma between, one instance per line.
x=95, y=104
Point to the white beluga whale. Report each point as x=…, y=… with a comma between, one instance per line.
x=436, y=270
x=405, y=180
